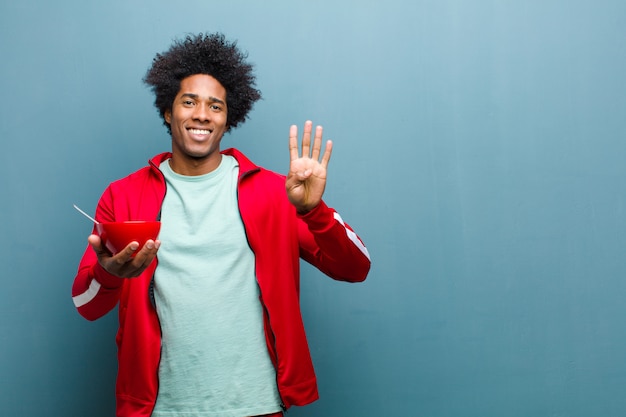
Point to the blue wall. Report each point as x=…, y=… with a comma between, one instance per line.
x=479, y=152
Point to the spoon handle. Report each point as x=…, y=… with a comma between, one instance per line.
x=86, y=215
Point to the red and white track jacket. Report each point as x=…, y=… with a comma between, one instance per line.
x=277, y=235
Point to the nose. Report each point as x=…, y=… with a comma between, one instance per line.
x=202, y=112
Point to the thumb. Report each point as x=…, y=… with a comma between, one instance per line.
x=303, y=175
x=96, y=244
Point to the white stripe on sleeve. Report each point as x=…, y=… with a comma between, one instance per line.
x=353, y=237
x=82, y=299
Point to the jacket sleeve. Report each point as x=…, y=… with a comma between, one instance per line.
x=331, y=245
x=95, y=292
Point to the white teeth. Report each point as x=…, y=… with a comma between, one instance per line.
x=199, y=131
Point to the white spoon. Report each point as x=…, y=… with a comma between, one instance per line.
x=86, y=215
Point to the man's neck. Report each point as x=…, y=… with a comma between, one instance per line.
x=195, y=166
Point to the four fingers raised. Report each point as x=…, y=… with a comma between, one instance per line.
x=309, y=150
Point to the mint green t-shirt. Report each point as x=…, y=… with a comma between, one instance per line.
x=214, y=359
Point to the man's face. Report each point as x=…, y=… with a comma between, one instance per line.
x=198, y=122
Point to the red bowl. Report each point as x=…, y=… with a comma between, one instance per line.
x=117, y=235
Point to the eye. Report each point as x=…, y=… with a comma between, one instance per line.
x=188, y=103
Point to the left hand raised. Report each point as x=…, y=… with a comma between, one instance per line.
x=306, y=179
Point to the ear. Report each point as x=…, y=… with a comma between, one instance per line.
x=168, y=116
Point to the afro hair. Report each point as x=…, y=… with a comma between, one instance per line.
x=209, y=54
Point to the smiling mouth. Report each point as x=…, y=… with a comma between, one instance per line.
x=199, y=131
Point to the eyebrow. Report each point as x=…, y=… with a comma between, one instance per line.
x=210, y=98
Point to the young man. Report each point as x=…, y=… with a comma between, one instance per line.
x=210, y=322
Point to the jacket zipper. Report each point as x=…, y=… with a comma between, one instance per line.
x=282, y=402
x=266, y=312
x=151, y=293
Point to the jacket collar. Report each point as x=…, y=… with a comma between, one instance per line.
x=245, y=165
